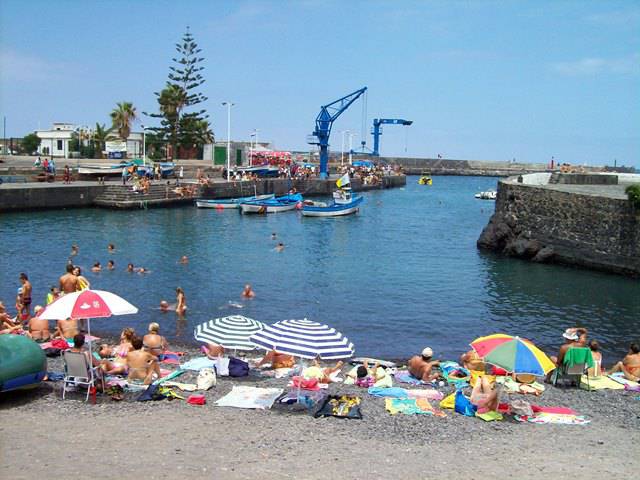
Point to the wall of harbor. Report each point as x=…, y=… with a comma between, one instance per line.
x=43, y=196
x=543, y=224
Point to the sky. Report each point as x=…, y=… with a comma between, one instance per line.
x=481, y=80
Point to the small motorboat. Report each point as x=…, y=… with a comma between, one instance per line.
x=344, y=203
x=167, y=169
x=225, y=203
x=488, y=195
x=272, y=205
x=425, y=180
x=260, y=170
x=23, y=363
x=102, y=170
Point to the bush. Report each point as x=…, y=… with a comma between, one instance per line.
x=633, y=193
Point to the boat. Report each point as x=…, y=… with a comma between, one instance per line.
x=102, y=170
x=167, y=169
x=344, y=203
x=259, y=170
x=23, y=363
x=425, y=180
x=272, y=205
x=230, y=202
x=488, y=195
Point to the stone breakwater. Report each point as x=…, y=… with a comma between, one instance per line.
x=583, y=221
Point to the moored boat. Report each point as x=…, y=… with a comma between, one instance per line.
x=334, y=209
x=488, y=195
x=225, y=203
x=425, y=180
x=260, y=170
x=272, y=205
x=102, y=170
x=23, y=363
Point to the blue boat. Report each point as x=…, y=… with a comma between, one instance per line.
x=230, y=202
x=166, y=170
x=344, y=203
x=273, y=205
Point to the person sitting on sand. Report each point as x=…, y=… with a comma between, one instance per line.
x=66, y=329
x=38, y=327
x=96, y=267
x=6, y=318
x=78, y=347
x=120, y=350
x=472, y=361
x=422, y=366
x=181, y=301
x=213, y=350
x=277, y=360
x=366, y=377
x=596, y=370
x=572, y=338
x=630, y=364
x=153, y=342
x=137, y=365
x=248, y=292
x=485, y=396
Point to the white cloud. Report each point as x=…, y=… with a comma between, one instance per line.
x=598, y=65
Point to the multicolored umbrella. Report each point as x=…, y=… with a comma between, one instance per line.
x=514, y=354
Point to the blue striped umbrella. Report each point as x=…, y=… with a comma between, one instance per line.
x=230, y=332
x=304, y=339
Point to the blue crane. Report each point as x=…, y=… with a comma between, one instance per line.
x=377, y=131
x=324, y=121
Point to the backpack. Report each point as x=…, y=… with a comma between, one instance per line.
x=238, y=368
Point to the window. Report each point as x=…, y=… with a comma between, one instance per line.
x=59, y=145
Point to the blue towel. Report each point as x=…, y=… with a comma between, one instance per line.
x=392, y=392
x=405, y=377
x=198, y=364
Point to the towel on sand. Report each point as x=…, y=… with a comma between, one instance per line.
x=397, y=392
x=619, y=377
x=403, y=376
x=198, y=363
x=412, y=406
x=599, y=383
x=553, y=418
x=250, y=397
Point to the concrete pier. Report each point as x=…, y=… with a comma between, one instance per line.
x=34, y=196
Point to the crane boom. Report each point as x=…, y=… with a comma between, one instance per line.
x=377, y=131
x=324, y=121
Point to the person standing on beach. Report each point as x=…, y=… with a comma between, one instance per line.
x=25, y=300
x=68, y=281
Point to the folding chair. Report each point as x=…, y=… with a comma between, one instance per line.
x=78, y=372
x=576, y=362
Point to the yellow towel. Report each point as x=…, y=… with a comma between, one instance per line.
x=599, y=383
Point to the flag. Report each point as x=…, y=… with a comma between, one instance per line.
x=344, y=180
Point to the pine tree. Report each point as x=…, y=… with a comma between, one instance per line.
x=178, y=126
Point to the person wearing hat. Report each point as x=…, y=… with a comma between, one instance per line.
x=573, y=338
x=421, y=366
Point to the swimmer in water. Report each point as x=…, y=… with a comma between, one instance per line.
x=279, y=247
x=111, y=248
x=96, y=267
x=181, y=301
x=184, y=260
x=111, y=265
x=74, y=250
x=248, y=292
x=164, y=306
x=130, y=268
x=273, y=236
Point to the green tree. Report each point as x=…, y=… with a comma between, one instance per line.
x=30, y=143
x=633, y=194
x=122, y=117
x=182, y=122
x=99, y=137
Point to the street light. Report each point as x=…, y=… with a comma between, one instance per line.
x=228, y=105
x=144, y=145
x=342, y=149
x=351, y=135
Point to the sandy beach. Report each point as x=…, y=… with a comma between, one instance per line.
x=43, y=436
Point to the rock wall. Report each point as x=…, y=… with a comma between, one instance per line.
x=544, y=225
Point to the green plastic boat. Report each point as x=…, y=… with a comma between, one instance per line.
x=23, y=364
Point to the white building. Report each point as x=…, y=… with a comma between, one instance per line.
x=55, y=142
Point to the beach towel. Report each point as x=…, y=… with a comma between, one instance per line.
x=411, y=406
x=344, y=406
x=311, y=384
x=452, y=372
x=599, y=383
x=512, y=386
x=557, y=410
x=185, y=387
x=171, y=358
x=619, y=377
x=449, y=402
x=250, y=397
x=428, y=393
x=632, y=388
x=198, y=363
x=393, y=392
x=490, y=416
x=403, y=376
x=168, y=375
x=553, y=418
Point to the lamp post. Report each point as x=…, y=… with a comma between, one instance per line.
x=228, y=105
x=342, y=148
x=144, y=144
x=351, y=135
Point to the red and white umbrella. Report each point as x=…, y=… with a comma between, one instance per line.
x=87, y=304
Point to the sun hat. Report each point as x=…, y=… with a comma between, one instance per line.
x=570, y=334
x=427, y=352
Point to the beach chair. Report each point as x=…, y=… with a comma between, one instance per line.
x=78, y=371
x=576, y=362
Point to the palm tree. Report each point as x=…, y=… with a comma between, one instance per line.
x=99, y=137
x=122, y=117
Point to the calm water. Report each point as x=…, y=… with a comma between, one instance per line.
x=401, y=275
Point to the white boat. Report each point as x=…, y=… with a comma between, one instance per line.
x=488, y=195
x=272, y=205
x=101, y=169
x=344, y=203
x=230, y=202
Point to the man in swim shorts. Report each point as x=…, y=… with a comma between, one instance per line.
x=66, y=329
x=422, y=366
x=26, y=296
x=68, y=281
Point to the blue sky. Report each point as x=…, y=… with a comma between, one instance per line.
x=481, y=80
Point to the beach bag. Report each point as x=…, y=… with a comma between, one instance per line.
x=238, y=368
x=521, y=407
x=463, y=405
x=196, y=399
x=340, y=406
x=206, y=379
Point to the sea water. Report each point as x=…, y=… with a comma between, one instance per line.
x=402, y=274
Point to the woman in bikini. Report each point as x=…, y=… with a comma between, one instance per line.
x=153, y=342
x=181, y=301
x=630, y=364
x=120, y=350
